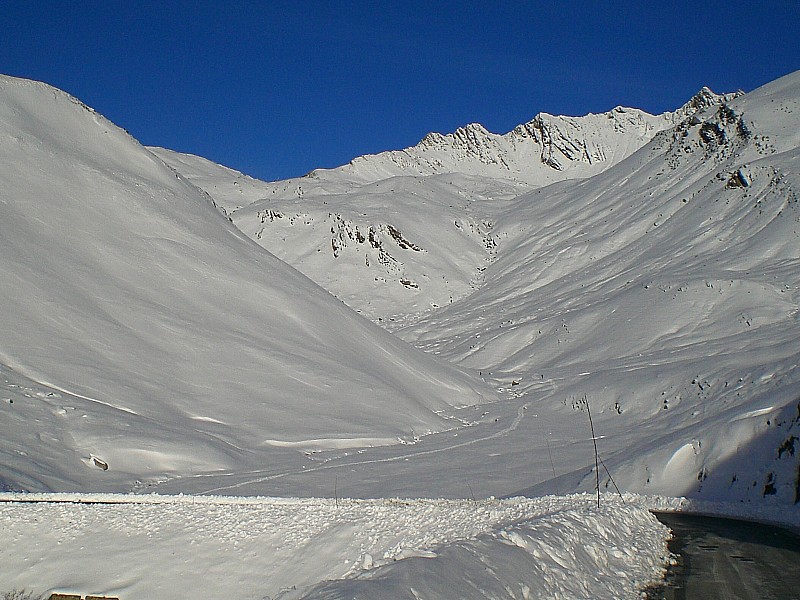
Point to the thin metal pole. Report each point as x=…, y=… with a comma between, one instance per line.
x=596, y=459
x=552, y=466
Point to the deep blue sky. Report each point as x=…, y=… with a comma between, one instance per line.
x=278, y=88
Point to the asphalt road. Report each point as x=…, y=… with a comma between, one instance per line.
x=727, y=559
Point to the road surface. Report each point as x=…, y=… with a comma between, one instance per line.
x=727, y=559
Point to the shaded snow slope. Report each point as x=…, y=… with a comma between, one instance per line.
x=667, y=291
x=254, y=548
x=143, y=335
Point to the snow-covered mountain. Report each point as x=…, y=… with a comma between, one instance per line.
x=149, y=341
x=407, y=231
x=663, y=287
x=548, y=148
x=666, y=290
x=143, y=336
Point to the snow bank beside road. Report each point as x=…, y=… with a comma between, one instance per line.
x=577, y=552
x=187, y=546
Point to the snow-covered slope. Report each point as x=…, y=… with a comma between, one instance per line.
x=400, y=233
x=666, y=291
x=401, y=246
x=143, y=336
x=663, y=288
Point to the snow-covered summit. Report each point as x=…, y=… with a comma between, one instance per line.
x=703, y=99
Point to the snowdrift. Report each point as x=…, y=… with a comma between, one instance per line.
x=145, y=547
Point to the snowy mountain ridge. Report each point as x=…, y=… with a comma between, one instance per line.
x=545, y=149
x=443, y=194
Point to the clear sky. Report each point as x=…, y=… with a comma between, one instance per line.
x=278, y=88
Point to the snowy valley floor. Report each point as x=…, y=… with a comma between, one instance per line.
x=144, y=547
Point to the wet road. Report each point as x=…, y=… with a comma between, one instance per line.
x=727, y=559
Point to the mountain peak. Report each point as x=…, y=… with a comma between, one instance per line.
x=703, y=99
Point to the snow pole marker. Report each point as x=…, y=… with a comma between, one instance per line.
x=335, y=492
x=552, y=466
x=596, y=456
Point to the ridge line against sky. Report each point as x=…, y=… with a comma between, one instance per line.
x=279, y=88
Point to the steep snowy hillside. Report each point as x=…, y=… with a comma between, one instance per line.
x=398, y=234
x=143, y=336
x=666, y=291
